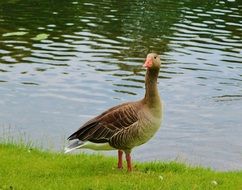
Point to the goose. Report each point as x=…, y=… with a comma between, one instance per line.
x=127, y=125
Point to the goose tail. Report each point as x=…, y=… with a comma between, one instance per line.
x=73, y=146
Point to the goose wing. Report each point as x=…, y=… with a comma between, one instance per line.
x=101, y=128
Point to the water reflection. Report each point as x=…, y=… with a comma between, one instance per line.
x=64, y=62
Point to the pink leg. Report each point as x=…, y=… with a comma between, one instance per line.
x=120, y=159
x=128, y=159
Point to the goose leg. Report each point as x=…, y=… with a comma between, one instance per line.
x=120, y=159
x=128, y=159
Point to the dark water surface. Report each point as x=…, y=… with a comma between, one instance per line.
x=63, y=62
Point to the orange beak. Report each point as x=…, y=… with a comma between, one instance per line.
x=148, y=63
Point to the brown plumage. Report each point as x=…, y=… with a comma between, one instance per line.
x=127, y=125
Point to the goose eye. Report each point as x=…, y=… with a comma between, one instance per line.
x=155, y=57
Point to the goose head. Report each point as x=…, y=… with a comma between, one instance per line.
x=152, y=61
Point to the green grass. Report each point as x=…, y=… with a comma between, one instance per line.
x=25, y=168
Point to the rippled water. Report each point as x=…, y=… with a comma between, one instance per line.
x=63, y=62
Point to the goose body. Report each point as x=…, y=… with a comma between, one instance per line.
x=125, y=126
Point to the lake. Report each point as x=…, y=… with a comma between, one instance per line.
x=63, y=62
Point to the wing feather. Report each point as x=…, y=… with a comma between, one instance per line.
x=101, y=128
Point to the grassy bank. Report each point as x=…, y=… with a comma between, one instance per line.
x=24, y=168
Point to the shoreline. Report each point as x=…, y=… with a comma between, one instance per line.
x=26, y=167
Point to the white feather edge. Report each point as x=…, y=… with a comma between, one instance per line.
x=91, y=145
